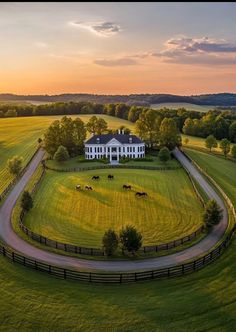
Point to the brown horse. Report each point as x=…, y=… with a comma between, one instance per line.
x=125, y=186
x=141, y=194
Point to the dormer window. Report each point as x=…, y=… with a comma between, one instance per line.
x=130, y=139
x=98, y=140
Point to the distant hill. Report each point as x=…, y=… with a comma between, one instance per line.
x=218, y=99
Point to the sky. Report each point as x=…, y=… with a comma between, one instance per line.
x=117, y=48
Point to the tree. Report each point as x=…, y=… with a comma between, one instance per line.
x=61, y=154
x=26, y=201
x=147, y=126
x=188, y=127
x=130, y=239
x=211, y=142
x=232, y=132
x=225, y=146
x=164, y=154
x=40, y=140
x=186, y=140
x=110, y=242
x=96, y=125
x=11, y=114
x=169, y=134
x=212, y=214
x=233, y=151
x=14, y=165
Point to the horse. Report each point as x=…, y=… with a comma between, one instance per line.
x=125, y=186
x=95, y=177
x=141, y=194
x=88, y=188
x=110, y=177
x=78, y=187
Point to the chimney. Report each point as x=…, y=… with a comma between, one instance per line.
x=119, y=131
x=123, y=131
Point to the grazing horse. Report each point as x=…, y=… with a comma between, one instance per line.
x=78, y=187
x=88, y=188
x=95, y=177
x=110, y=177
x=125, y=186
x=141, y=194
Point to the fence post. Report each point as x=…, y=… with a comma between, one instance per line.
x=64, y=273
x=13, y=256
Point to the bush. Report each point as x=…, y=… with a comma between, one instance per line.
x=14, y=165
x=103, y=160
x=212, y=214
x=164, y=154
x=130, y=239
x=147, y=158
x=26, y=201
x=233, y=151
x=61, y=154
x=110, y=242
x=124, y=160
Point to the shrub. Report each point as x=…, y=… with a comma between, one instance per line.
x=147, y=158
x=61, y=154
x=14, y=165
x=110, y=242
x=164, y=154
x=233, y=151
x=212, y=214
x=124, y=160
x=26, y=201
x=130, y=239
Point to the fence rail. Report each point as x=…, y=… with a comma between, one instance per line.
x=117, y=278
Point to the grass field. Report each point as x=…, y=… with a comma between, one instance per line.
x=187, y=106
x=18, y=136
x=170, y=212
x=203, y=301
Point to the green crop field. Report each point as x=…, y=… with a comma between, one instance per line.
x=171, y=210
x=18, y=136
x=187, y=106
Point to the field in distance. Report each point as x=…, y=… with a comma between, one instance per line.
x=187, y=106
x=18, y=136
x=170, y=211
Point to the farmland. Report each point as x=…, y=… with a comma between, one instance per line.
x=187, y=106
x=18, y=136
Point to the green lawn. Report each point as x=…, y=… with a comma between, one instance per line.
x=60, y=212
x=187, y=106
x=202, y=301
x=18, y=136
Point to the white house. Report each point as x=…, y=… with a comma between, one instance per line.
x=114, y=146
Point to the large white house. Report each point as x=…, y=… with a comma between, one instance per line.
x=114, y=146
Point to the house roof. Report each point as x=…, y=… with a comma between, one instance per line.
x=122, y=138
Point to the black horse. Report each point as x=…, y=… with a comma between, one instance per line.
x=110, y=177
x=95, y=177
x=141, y=194
x=88, y=188
x=125, y=186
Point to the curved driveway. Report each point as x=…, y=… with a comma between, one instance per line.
x=13, y=240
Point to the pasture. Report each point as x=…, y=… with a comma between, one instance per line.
x=18, y=136
x=170, y=211
x=187, y=106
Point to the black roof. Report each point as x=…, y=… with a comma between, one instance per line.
x=122, y=138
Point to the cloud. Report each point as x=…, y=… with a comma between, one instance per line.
x=201, y=50
x=102, y=29
x=116, y=62
x=40, y=44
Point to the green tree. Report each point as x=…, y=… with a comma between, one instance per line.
x=186, y=140
x=211, y=142
x=110, y=242
x=233, y=151
x=169, y=134
x=225, y=146
x=164, y=154
x=130, y=239
x=26, y=201
x=96, y=125
x=52, y=137
x=212, y=214
x=147, y=126
x=61, y=154
x=79, y=135
x=11, y=114
x=232, y=132
x=14, y=165
x=188, y=127
x=110, y=109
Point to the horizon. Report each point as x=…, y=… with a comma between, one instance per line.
x=173, y=48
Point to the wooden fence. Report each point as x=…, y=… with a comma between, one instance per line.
x=118, y=278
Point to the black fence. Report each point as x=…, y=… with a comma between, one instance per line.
x=118, y=278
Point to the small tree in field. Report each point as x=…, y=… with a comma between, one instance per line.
x=212, y=214
x=225, y=146
x=61, y=154
x=26, y=201
x=211, y=142
x=110, y=242
x=186, y=140
x=40, y=140
x=14, y=165
x=233, y=151
x=130, y=239
x=164, y=154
